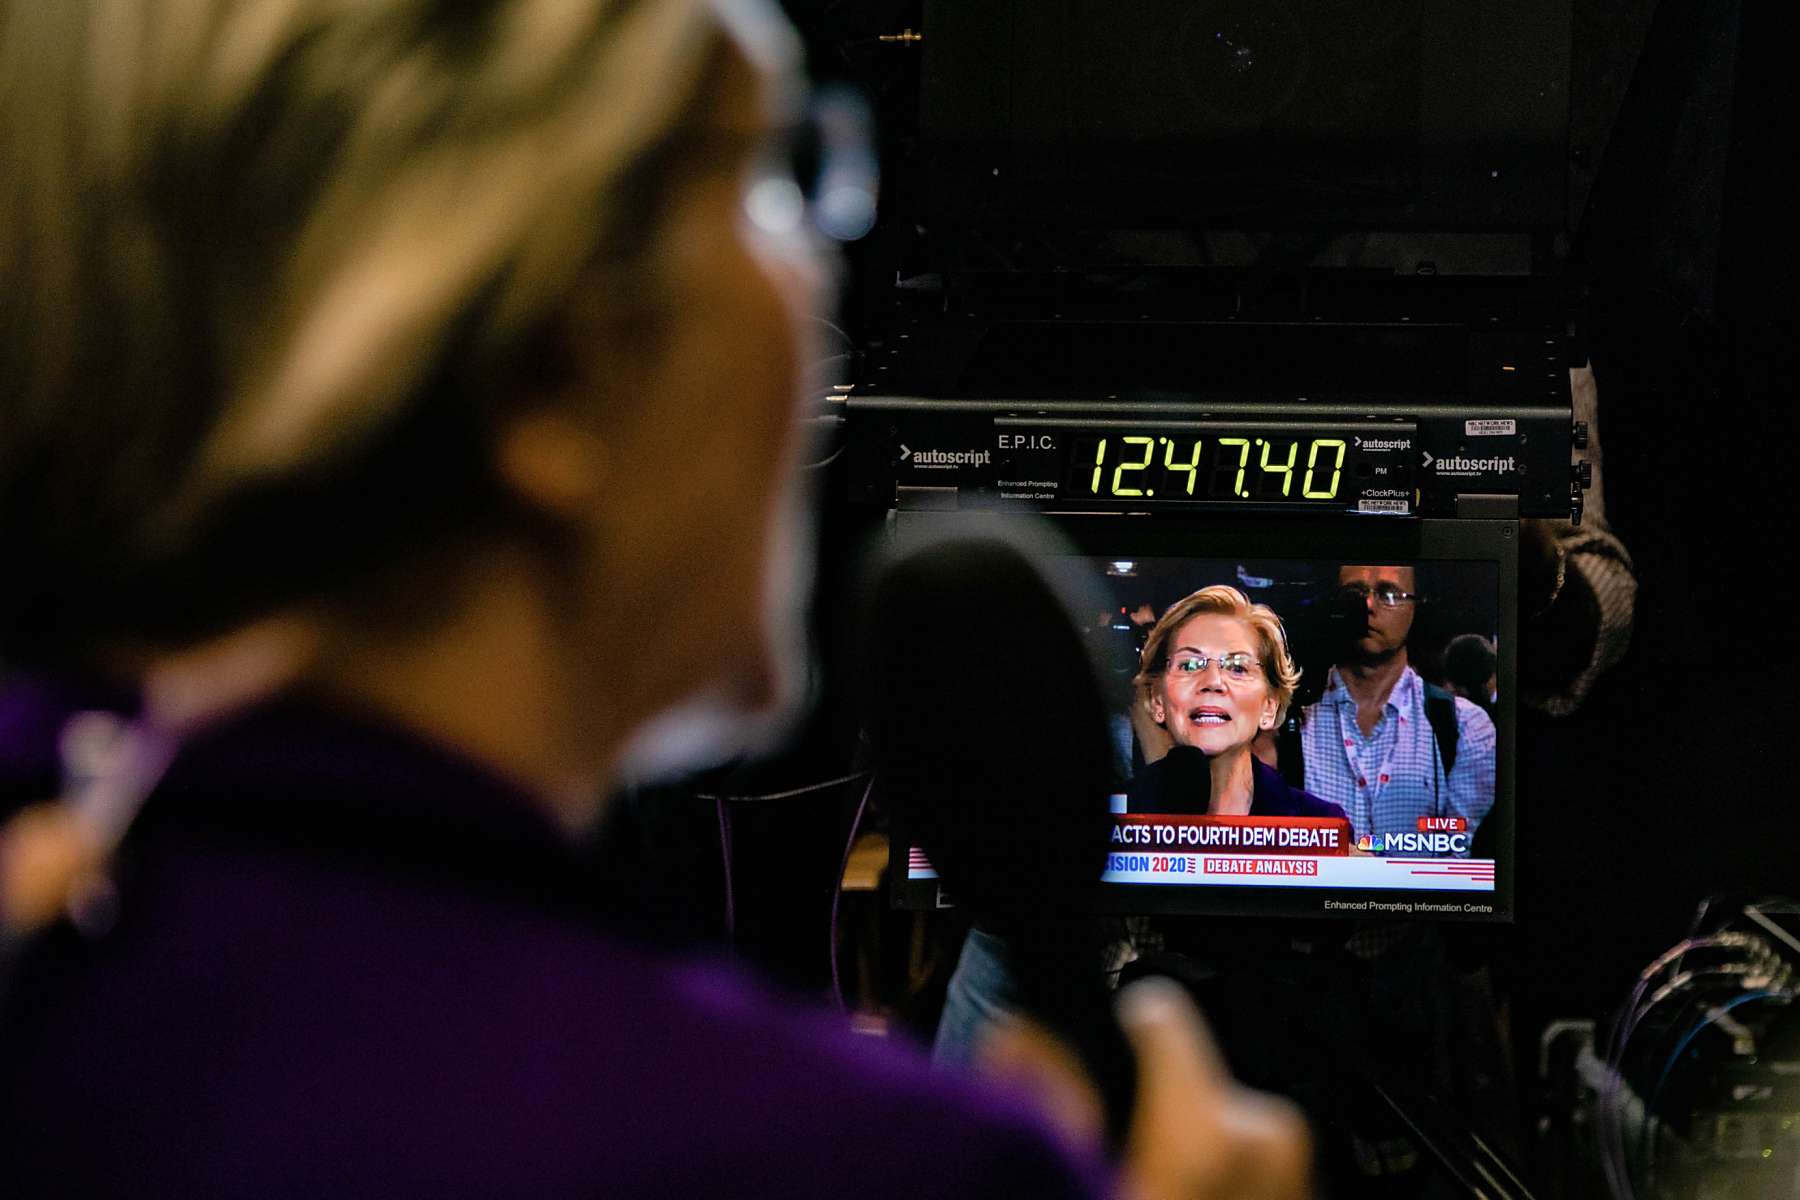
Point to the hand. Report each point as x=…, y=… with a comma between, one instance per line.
x=1196, y=1134
x=44, y=853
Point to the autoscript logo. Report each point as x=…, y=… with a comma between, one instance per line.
x=1385, y=443
x=1458, y=465
x=946, y=458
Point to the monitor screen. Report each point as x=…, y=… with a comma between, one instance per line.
x=1378, y=783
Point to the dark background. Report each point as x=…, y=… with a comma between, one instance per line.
x=1673, y=781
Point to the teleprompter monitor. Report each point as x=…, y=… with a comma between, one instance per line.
x=1385, y=788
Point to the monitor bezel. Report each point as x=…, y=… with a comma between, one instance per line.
x=1257, y=537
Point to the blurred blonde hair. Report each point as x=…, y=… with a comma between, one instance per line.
x=241, y=237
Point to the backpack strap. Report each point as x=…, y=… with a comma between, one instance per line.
x=1440, y=710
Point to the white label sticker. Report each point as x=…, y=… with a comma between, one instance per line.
x=1383, y=506
x=1506, y=427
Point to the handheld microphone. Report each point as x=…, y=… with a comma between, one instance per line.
x=985, y=709
x=1187, y=780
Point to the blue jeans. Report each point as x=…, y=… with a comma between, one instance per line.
x=982, y=992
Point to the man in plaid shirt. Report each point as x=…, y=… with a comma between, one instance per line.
x=1369, y=742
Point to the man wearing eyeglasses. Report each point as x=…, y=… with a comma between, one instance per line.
x=1381, y=742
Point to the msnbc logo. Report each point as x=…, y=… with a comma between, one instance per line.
x=1414, y=843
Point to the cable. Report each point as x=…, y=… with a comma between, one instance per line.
x=1646, y=1142
x=721, y=803
x=790, y=793
x=1636, y=1009
x=1610, y=1121
x=1698, y=975
x=837, y=890
x=1615, y=1159
x=725, y=857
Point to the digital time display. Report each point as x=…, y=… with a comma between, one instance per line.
x=1194, y=466
x=1350, y=465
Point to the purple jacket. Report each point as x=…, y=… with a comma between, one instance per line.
x=348, y=963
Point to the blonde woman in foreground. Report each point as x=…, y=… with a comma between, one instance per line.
x=371, y=367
